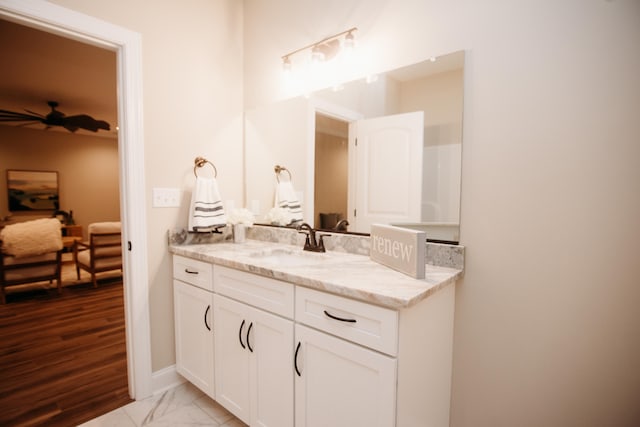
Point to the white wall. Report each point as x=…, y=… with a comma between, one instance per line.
x=192, y=73
x=547, y=320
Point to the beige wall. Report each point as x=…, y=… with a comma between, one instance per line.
x=547, y=320
x=269, y=131
x=192, y=101
x=87, y=169
x=441, y=97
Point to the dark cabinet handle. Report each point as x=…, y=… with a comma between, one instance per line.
x=248, y=332
x=240, y=334
x=205, y=317
x=339, y=318
x=186, y=270
x=295, y=360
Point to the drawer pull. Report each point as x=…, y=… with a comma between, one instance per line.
x=339, y=318
x=249, y=332
x=295, y=360
x=205, y=317
x=240, y=334
x=186, y=270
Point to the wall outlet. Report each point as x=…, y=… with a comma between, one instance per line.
x=166, y=197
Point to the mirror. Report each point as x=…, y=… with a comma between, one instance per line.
x=314, y=138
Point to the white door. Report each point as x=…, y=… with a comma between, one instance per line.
x=254, y=362
x=340, y=384
x=194, y=337
x=270, y=342
x=232, y=357
x=386, y=170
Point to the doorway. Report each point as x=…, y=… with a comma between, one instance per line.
x=128, y=47
x=332, y=168
x=81, y=79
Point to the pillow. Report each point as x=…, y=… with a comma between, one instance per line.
x=31, y=237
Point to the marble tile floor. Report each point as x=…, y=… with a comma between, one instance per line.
x=183, y=405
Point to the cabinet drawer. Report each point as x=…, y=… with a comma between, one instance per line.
x=365, y=324
x=198, y=273
x=268, y=294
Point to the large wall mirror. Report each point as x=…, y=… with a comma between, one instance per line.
x=386, y=149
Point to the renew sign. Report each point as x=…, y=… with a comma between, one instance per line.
x=402, y=249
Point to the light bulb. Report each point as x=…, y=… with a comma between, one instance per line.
x=316, y=55
x=371, y=78
x=349, y=41
x=286, y=64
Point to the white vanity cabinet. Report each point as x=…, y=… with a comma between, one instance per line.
x=341, y=380
x=288, y=355
x=193, y=319
x=359, y=364
x=253, y=332
x=339, y=383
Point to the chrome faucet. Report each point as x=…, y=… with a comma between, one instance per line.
x=311, y=243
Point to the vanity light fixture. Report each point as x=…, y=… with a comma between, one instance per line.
x=323, y=50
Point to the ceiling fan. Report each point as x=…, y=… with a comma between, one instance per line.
x=55, y=118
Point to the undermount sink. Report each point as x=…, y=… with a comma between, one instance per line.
x=287, y=257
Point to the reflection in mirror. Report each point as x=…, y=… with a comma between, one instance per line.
x=339, y=182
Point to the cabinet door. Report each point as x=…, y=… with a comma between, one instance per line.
x=232, y=356
x=338, y=383
x=254, y=363
x=194, y=337
x=270, y=343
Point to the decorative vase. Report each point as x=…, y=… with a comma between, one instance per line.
x=239, y=233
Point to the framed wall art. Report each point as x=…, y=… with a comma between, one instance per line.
x=32, y=190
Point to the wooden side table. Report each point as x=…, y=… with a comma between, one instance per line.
x=70, y=234
x=72, y=230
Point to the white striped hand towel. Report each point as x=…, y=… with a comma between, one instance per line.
x=206, y=212
x=286, y=198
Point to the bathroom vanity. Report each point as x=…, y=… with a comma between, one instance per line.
x=282, y=337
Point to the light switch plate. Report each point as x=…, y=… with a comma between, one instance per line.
x=166, y=197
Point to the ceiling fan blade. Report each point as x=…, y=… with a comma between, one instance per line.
x=34, y=113
x=55, y=118
x=83, y=121
x=12, y=116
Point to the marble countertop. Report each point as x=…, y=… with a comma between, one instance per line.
x=349, y=275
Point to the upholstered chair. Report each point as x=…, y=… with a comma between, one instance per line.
x=31, y=252
x=102, y=252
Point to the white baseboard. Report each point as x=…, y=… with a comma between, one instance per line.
x=165, y=379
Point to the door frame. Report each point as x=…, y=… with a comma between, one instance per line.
x=127, y=44
x=337, y=112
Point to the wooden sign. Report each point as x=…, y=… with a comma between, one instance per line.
x=402, y=249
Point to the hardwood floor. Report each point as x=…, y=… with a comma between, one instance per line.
x=62, y=357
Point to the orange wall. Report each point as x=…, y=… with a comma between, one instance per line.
x=87, y=167
x=331, y=175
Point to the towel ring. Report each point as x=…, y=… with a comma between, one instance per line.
x=279, y=169
x=200, y=162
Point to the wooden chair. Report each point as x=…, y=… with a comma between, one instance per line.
x=20, y=265
x=102, y=252
x=19, y=271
